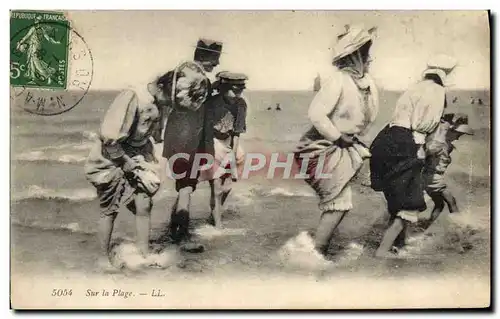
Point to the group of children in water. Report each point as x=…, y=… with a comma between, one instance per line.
x=191, y=114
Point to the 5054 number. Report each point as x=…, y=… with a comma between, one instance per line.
x=62, y=292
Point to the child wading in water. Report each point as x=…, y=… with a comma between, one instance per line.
x=189, y=132
x=229, y=109
x=438, y=149
x=122, y=167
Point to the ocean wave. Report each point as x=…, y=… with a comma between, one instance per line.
x=67, y=153
x=240, y=198
x=90, y=135
x=75, y=135
x=210, y=232
x=127, y=255
x=299, y=253
x=84, y=146
x=280, y=191
x=72, y=227
x=41, y=156
x=37, y=192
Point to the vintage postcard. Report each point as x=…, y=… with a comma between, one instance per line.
x=250, y=159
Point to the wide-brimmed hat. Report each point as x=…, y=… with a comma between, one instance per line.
x=460, y=124
x=207, y=49
x=351, y=40
x=440, y=65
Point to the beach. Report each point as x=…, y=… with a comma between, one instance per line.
x=54, y=213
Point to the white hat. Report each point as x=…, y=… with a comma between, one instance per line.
x=440, y=65
x=351, y=40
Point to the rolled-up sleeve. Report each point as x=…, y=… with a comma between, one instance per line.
x=117, y=123
x=427, y=112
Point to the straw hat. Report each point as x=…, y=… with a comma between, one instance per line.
x=351, y=40
x=440, y=65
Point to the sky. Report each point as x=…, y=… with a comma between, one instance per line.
x=282, y=50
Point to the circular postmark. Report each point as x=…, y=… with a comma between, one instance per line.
x=51, y=65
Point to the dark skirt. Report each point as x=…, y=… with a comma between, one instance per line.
x=396, y=170
x=189, y=132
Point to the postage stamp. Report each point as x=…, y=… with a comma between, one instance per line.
x=51, y=66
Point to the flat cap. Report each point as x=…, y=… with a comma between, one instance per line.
x=232, y=78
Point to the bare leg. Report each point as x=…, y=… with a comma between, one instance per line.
x=327, y=225
x=179, y=220
x=182, y=213
x=390, y=236
x=225, y=192
x=400, y=241
x=451, y=201
x=173, y=222
x=217, y=210
x=212, y=194
x=438, y=200
x=105, y=229
x=184, y=198
x=211, y=220
x=143, y=205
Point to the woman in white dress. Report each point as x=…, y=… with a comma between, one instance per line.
x=341, y=111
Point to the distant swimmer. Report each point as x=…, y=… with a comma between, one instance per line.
x=455, y=99
x=269, y=108
x=278, y=108
x=480, y=101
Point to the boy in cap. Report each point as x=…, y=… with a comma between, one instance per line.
x=189, y=127
x=439, y=149
x=229, y=109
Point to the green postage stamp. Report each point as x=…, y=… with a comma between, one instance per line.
x=51, y=65
x=39, y=49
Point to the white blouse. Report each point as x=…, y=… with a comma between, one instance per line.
x=420, y=109
x=339, y=107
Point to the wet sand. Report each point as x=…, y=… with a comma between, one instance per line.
x=242, y=269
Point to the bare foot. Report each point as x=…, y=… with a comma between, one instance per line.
x=104, y=264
